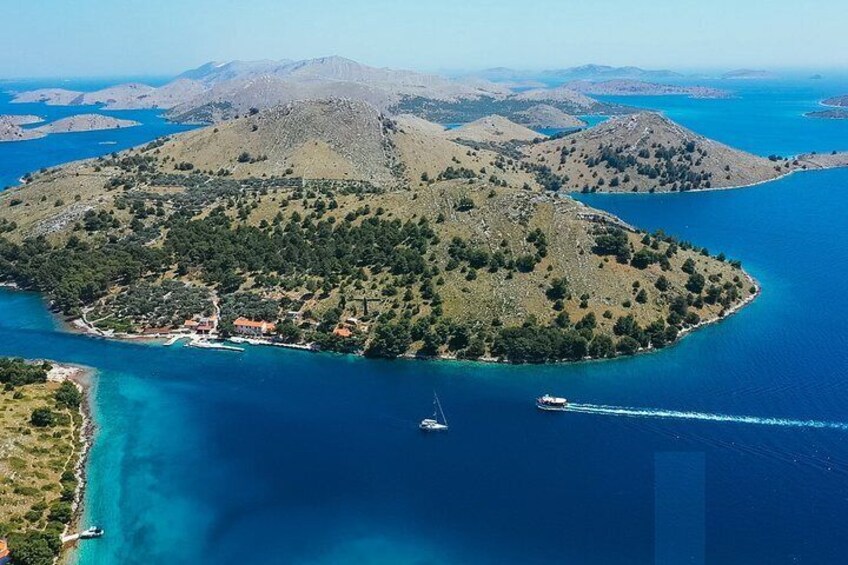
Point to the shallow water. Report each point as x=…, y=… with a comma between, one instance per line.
x=282, y=456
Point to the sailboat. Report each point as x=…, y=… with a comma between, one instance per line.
x=433, y=424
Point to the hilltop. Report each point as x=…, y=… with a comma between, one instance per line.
x=547, y=116
x=493, y=129
x=646, y=152
x=355, y=232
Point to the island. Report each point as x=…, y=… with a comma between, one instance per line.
x=749, y=74
x=45, y=431
x=832, y=114
x=839, y=101
x=331, y=225
x=11, y=130
x=627, y=87
x=85, y=122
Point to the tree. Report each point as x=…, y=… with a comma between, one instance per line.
x=34, y=548
x=390, y=340
x=558, y=289
x=662, y=283
x=601, y=346
x=68, y=396
x=288, y=331
x=627, y=345
x=696, y=282
x=525, y=263
x=42, y=418
x=688, y=266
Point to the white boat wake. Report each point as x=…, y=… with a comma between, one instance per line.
x=680, y=415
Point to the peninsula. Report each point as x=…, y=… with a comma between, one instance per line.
x=331, y=223
x=11, y=130
x=44, y=436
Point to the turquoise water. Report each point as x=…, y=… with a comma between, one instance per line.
x=277, y=456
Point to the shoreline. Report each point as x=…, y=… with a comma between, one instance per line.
x=80, y=327
x=81, y=377
x=169, y=339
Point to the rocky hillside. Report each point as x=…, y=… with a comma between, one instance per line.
x=215, y=91
x=493, y=129
x=558, y=94
x=433, y=247
x=547, y=116
x=645, y=152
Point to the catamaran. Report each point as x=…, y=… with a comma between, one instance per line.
x=551, y=403
x=433, y=424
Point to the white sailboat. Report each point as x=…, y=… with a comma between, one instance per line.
x=433, y=424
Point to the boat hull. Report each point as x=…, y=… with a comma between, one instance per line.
x=549, y=408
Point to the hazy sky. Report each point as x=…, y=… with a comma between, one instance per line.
x=135, y=37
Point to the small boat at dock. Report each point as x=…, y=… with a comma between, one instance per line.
x=204, y=344
x=93, y=532
x=552, y=403
x=433, y=424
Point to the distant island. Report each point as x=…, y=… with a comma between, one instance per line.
x=328, y=224
x=626, y=87
x=838, y=109
x=840, y=101
x=11, y=130
x=747, y=74
x=832, y=114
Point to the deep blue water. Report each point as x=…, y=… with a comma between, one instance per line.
x=20, y=157
x=274, y=456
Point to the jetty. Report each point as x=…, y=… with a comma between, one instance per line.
x=174, y=339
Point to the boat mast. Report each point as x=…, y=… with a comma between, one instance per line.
x=439, y=405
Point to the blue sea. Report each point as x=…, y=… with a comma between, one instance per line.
x=275, y=456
